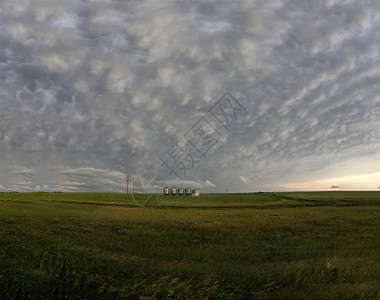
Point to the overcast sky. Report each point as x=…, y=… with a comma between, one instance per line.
x=94, y=90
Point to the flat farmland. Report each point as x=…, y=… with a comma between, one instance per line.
x=317, y=245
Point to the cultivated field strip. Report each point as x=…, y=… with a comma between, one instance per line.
x=207, y=201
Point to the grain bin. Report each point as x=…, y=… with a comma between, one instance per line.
x=166, y=191
x=180, y=191
x=174, y=191
x=195, y=193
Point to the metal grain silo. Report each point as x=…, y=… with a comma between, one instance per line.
x=174, y=190
x=166, y=191
x=188, y=191
x=195, y=193
x=180, y=191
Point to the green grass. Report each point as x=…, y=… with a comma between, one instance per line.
x=235, y=246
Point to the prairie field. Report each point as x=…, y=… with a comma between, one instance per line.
x=309, y=245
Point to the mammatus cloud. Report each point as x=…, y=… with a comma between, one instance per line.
x=244, y=179
x=190, y=183
x=61, y=178
x=93, y=90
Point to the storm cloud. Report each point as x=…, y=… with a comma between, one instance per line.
x=92, y=90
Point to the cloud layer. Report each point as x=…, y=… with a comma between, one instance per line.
x=93, y=90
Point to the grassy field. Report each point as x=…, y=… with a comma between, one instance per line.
x=321, y=245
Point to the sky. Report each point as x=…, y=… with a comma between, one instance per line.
x=237, y=96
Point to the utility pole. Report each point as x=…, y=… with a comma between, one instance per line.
x=133, y=185
x=128, y=179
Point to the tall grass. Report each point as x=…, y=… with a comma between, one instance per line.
x=55, y=249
